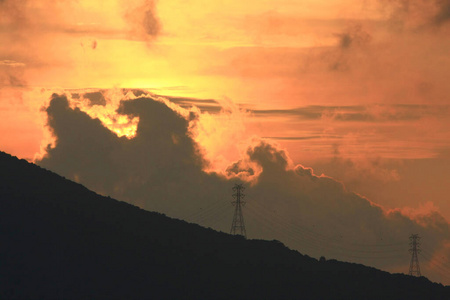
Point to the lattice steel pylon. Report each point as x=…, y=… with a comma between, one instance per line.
x=414, y=268
x=238, y=226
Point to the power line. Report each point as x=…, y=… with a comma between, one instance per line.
x=435, y=262
x=437, y=267
x=310, y=236
x=210, y=215
x=208, y=210
x=429, y=254
x=306, y=239
x=317, y=235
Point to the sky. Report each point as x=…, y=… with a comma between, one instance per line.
x=334, y=114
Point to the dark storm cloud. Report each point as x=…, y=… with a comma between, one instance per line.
x=150, y=170
x=84, y=146
x=161, y=169
x=321, y=202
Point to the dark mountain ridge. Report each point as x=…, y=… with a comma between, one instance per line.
x=58, y=240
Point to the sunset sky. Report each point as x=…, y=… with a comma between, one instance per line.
x=304, y=101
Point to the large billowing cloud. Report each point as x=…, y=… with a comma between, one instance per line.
x=162, y=168
x=159, y=163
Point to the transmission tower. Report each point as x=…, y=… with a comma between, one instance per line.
x=238, y=226
x=414, y=268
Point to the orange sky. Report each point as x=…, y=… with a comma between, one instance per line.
x=387, y=61
x=357, y=90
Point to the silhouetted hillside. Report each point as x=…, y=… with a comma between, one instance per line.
x=58, y=240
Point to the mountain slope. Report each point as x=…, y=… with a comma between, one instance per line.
x=58, y=240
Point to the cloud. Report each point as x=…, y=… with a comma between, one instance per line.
x=415, y=14
x=13, y=11
x=296, y=138
x=443, y=15
x=359, y=113
x=162, y=168
x=91, y=44
x=12, y=79
x=142, y=16
x=321, y=215
x=12, y=74
x=75, y=35
x=136, y=168
x=353, y=36
x=205, y=105
x=73, y=17
x=350, y=43
x=12, y=16
x=11, y=63
x=356, y=171
x=94, y=98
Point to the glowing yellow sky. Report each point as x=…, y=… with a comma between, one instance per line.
x=194, y=42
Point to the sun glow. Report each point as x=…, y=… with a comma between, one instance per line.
x=121, y=125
